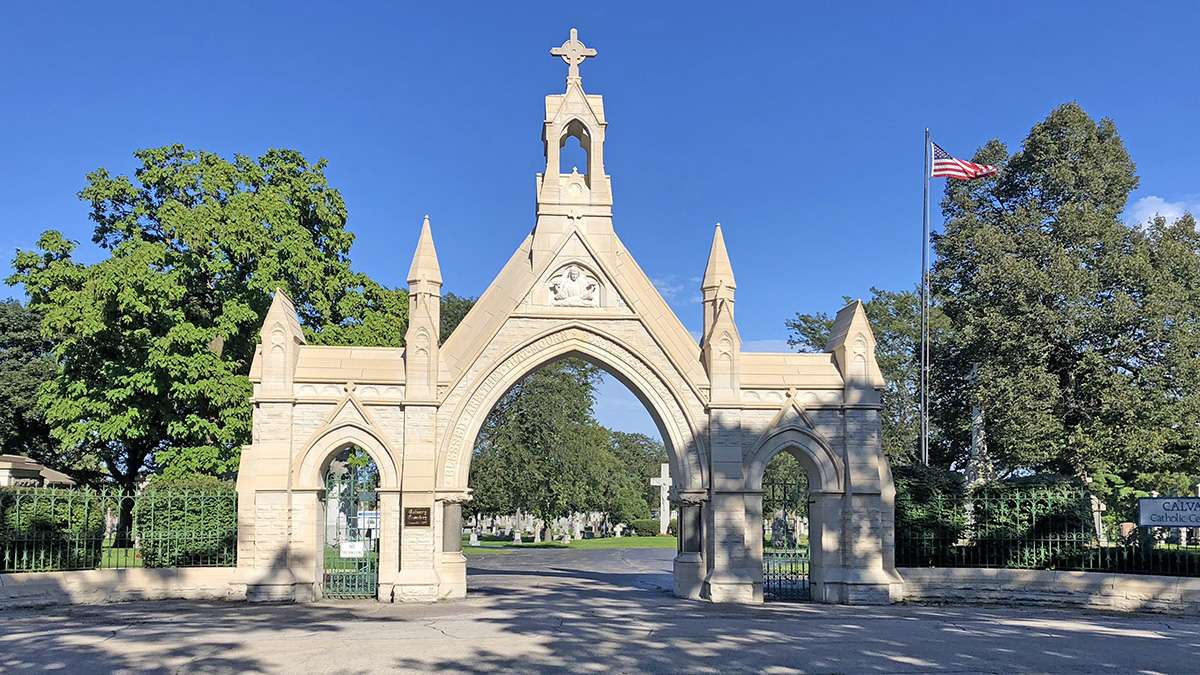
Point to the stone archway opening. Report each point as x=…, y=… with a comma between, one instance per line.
x=553, y=474
x=786, y=556
x=348, y=565
x=573, y=154
x=785, y=469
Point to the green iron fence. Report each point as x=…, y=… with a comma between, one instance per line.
x=1044, y=527
x=785, y=553
x=54, y=529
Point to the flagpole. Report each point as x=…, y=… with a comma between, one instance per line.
x=925, y=314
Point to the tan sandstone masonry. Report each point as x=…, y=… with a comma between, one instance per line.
x=571, y=289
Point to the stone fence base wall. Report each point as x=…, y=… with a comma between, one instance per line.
x=35, y=589
x=1095, y=590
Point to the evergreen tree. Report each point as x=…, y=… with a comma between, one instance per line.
x=1083, y=329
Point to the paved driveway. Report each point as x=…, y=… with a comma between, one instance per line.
x=550, y=611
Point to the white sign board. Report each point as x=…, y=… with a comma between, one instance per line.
x=368, y=520
x=354, y=549
x=1169, y=511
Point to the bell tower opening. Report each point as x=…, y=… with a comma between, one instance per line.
x=575, y=151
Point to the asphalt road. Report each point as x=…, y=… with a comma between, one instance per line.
x=577, y=611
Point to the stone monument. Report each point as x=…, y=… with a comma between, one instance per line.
x=570, y=289
x=663, y=482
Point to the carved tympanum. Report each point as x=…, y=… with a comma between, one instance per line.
x=574, y=288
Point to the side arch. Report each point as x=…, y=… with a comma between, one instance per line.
x=307, y=474
x=824, y=468
x=664, y=403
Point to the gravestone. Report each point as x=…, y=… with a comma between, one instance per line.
x=474, y=539
x=517, y=537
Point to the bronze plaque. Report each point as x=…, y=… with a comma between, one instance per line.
x=417, y=516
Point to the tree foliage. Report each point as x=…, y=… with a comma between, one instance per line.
x=541, y=451
x=1073, y=332
x=26, y=362
x=453, y=309
x=155, y=341
x=1084, y=328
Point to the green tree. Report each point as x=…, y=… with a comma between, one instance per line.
x=453, y=310
x=26, y=362
x=1084, y=329
x=636, y=459
x=154, y=343
x=540, y=450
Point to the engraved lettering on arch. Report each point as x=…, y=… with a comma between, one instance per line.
x=610, y=348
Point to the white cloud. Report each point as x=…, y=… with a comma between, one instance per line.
x=672, y=291
x=770, y=346
x=667, y=287
x=1144, y=209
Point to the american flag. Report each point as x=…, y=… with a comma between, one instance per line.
x=945, y=165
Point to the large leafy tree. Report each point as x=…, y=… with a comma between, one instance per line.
x=1083, y=329
x=540, y=449
x=155, y=341
x=637, y=458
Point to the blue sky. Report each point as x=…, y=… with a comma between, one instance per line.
x=798, y=126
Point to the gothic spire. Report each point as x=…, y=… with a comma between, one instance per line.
x=425, y=264
x=718, y=272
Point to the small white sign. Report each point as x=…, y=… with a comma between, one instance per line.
x=1169, y=511
x=353, y=549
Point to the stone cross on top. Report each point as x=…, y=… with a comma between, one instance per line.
x=573, y=52
x=663, y=481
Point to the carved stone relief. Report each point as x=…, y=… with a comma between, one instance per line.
x=574, y=287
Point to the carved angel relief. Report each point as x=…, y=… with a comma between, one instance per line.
x=574, y=288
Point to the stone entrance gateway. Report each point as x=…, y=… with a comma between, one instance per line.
x=570, y=290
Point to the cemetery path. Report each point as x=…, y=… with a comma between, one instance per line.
x=574, y=611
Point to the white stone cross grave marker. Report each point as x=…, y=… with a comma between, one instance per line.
x=663, y=481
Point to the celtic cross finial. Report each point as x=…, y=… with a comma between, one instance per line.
x=573, y=53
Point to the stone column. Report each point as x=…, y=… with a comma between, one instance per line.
x=389, y=541
x=418, y=579
x=451, y=564
x=754, y=540
x=729, y=576
x=824, y=518
x=451, y=527
x=689, y=560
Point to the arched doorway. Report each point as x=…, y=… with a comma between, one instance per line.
x=350, y=555
x=548, y=469
x=664, y=402
x=785, y=540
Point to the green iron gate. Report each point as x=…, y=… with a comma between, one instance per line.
x=351, y=534
x=785, y=541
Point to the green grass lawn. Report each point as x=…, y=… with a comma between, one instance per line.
x=119, y=558
x=485, y=549
x=496, y=544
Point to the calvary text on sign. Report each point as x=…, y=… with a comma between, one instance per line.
x=1169, y=511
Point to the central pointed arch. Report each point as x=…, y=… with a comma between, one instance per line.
x=663, y=401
